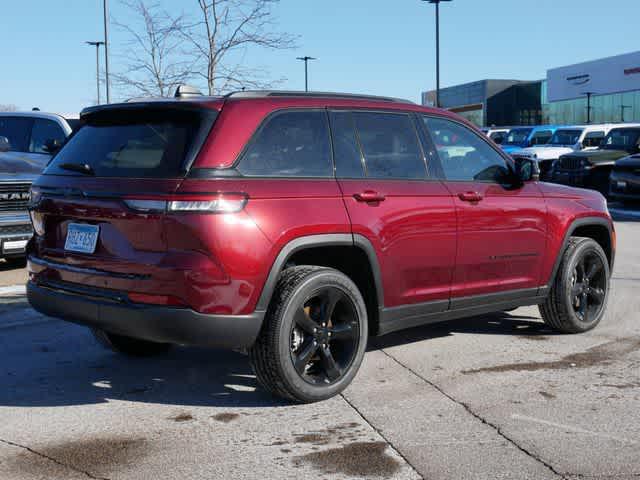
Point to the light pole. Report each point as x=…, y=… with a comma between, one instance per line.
x=97, y=45
x=105, y=13
x=589, y=95
x=306, y=59
x=437, y=3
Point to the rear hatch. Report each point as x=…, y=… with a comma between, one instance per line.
x=99, y=207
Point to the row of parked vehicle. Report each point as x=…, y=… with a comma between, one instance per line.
x=604, y=157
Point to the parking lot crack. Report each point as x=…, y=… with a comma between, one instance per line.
x=479, y=417
x=51, y=459
x=387, y=441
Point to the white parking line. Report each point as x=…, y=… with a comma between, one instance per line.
x=13, y=290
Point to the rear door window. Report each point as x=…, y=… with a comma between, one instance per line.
x=44, y=131
x=16, y=130
x=290, y=144
x=145, y=144
x=390, y=145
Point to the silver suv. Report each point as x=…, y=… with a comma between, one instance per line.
x=27, y=142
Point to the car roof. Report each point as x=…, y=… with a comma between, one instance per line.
x=37, y=114
x=272, y=100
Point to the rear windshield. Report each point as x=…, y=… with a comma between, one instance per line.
x=141, y=145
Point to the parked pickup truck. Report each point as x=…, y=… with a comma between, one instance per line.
x=592, y=169
x=565, y=140
x=27, y=141
x=523, y=137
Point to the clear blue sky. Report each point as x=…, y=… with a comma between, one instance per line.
x=366, y=46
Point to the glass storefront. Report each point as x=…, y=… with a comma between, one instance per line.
x=612, y=108
x=474, y=116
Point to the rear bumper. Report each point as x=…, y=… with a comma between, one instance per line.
x=115, y=314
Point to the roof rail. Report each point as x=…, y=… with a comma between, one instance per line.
x=286, y=93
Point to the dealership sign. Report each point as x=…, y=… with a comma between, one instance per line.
x=600, y=77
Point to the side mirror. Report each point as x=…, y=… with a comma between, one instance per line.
x=527, y=169
x=52, y=145
x=4, y=144
x=499, y=140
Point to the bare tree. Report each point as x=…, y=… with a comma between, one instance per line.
x=224, y=32
x=154, y=63
x=8, y=107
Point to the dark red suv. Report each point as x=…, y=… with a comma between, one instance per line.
x=296, y=225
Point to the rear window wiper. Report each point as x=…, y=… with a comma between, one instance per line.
x=78, y=167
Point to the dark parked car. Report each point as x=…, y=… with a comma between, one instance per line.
x=624, y=182
x=591, y=169
x=296, y=225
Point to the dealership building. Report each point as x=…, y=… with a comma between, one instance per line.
x=599, y=91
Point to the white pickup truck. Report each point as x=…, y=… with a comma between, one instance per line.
x=565, y=140
x=27, y=142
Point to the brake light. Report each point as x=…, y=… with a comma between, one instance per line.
x=166, y=300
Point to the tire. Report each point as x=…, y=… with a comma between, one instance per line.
x=564, y=310
x=293, y=362
x=132, y=347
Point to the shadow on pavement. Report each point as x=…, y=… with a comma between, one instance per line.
x=62, y=366
x=501, y=323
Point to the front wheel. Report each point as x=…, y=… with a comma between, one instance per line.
x=578, y=296
x=314, y=335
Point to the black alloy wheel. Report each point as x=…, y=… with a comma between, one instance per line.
x=588, y=287
x=324, y=336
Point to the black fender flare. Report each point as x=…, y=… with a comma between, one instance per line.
x=581, y=222
x=314, y=241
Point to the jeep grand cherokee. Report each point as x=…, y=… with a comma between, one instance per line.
x=297, y=225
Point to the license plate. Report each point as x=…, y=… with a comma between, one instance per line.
x=621, y=184
x=81, y=238
x=14, y=246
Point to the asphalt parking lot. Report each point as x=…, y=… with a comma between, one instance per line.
x=499, y=396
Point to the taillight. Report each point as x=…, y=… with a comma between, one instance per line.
x=222, y=203
x=203, y=203
x=37, y=219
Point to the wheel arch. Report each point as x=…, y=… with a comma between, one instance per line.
x=353, y=255
x=599, y=229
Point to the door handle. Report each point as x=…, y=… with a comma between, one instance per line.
x=470, y=196
x=369, y=196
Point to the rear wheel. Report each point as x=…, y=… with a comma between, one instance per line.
x=133, y=347
x=578, y=296
x=314, y=335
